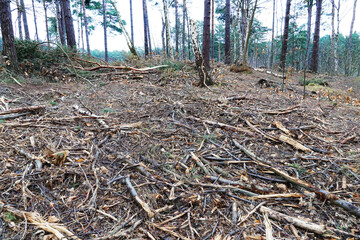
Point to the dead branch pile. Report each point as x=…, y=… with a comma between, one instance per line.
x=140, y=161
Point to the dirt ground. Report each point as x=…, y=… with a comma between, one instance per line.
x=154, y=157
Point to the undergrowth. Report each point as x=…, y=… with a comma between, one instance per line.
x=313, y=81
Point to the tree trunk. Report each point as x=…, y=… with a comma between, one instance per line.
x=69, y=25
x=86, y=28
x=167, y=30
x=188, y=33
x=219, y=51
x=243, y=27
x=248, y=33
x=176, y=29
x=146, y=47
x=332, y=64
x=8, y=34
x=126, y=34
x=46, y=21
x=348, y=55
x=227, y=33
x=310, y=4
x=336, y=39
x=285, y=36
x=212, y=28
x=80, y=29
x=183, y=30
x=206, y=35
x=131, y=22
x=148, y=29
x=105, y=31
x=163, y=35
x=237, y=29
x=26, y=26
x=35, y=22
x=244, y=23
x=60, y=22
x=205, y=78
x=19, y=19
x=271, y=62
x=315, y=52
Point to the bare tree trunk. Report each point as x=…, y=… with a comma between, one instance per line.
x=126, y=34
x=243, y=27
x=19, y=19
x=105, y=31
x=271, y=64
x=46, y=21
x=285, y=36
x=315, y=53
x=212, y=28
x=332, y=64
x=219, y=51
x=167, y=29
x=188, y=33
x=86, y=28
x=35, y=22
x=176, y=29
x=234, y=48
x=237, y=29
x=205, y=78
x=310, y=4
x=248, y=33
x=80, y=30
x=336, y=39
x=163, y=35
x=131, y=22
x=183, y=30
x=206, y=35
x=348, y=55
x=169, y=50
x=26, y=26
x=69, y=25
x=146, y=45
x=227, y=33
x=148, y=28
x=60, y=22
x=7, y=33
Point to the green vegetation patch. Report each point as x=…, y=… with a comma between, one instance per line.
x=314, y=82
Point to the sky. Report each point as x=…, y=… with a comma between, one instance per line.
x=196, y=12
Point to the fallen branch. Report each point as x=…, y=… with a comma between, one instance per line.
x=164, y=229
x=24, y=109
x=222, y=125
x=268, y=227
x=284, y=195
x=294, y=143
x=251, y=187
x=86, y=112
x=242, y=191
x=322, y=194
x=312, y=227
x=35, y=218
x=281, y=111
x=200, y=163
x=120, y=68
x=151, y=213
x=12, y=116
x=243, y=219
x=272, y=138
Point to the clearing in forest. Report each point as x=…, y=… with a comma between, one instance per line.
x=146, y=155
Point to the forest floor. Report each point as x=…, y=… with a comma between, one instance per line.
x=151, y=156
